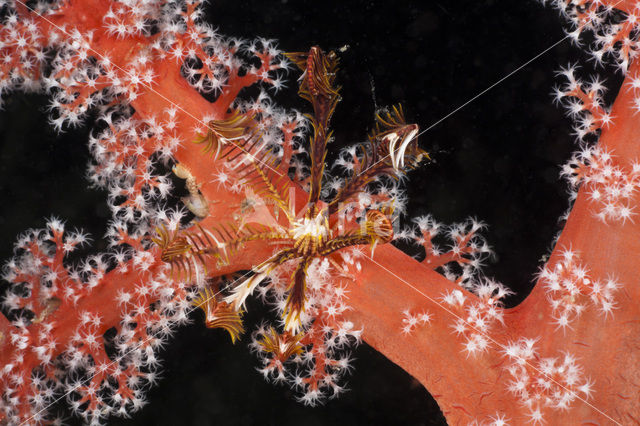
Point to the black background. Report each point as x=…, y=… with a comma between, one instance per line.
x=496, y=159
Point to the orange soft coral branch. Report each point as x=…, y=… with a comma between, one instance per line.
x=516, y=363
x=475, y=388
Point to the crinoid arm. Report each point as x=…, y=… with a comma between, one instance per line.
x=186, y=251
x=219, y=314
x=377, y=229
x=222, y=136
x=243, y=290
x=297, y=297
x=230, y=237
x=239, y=293
x=318, y=87
x=392, y=148
x=319, y=73
x=395, y=142
x=258, y=171
x=281, y=347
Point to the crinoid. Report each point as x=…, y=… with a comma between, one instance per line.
x=360, y=212
x=354, y=211
x=316, y=244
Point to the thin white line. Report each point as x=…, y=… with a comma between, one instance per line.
x=475, y=97
x=492, y=86
x=489, y=337
x=151, y=89
x=137, y=346
x=484, y=91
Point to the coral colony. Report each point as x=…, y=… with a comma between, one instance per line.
x=264, y=217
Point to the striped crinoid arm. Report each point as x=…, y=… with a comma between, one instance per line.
x=392, y=148
x=296, y=298
x=318, y=87
x=219, y=314
x=186, y=251
x=364, y=172
x=319, y=73
x=261, y=174
x=230, y=238
x=376, y=229
x=394, y=143
x=237, y=133
x=277, y=347
x=240, y=292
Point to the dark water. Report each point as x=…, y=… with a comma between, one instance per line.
x=496, y=159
